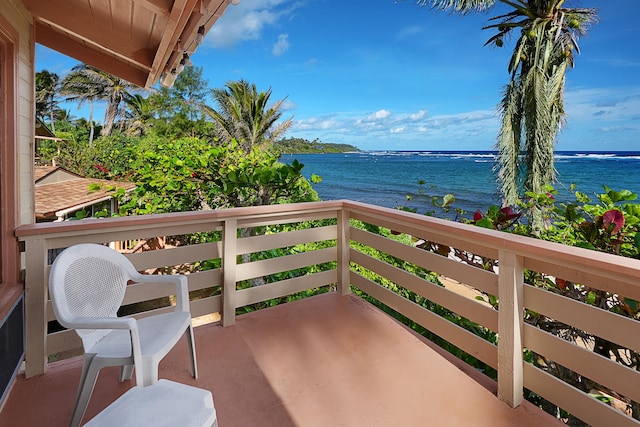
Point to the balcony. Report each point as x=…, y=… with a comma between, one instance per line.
x=338, y=358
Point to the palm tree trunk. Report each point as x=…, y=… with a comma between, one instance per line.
x=109, y=119
x=91, y=122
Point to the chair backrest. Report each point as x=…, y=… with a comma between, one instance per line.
x=88, y=280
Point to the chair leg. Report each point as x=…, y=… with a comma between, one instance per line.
x=192, y=349
x=85, y=388
x=126, y=372
x=149, y=373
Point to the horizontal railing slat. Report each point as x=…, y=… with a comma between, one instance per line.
x=204, y=279
x=613, y=327
x=461, y=338
x=598, y=279
x=205, y=306
x=427, y=233
x=67, y=340
x=482, y=280
x=573, y=400
x=284, y=287
x=583, y=361
x=175, y=255
x=281, y=240
x=460, y=305
x=256, y=221
x=284, y=263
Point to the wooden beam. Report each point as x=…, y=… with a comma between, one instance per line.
x=160, y=7
x=82, y=52
x=180, y=14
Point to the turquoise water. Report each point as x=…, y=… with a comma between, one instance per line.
x=385, y=178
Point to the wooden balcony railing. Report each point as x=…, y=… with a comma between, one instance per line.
x=338, y=265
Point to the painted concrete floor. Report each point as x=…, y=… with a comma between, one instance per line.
x=328, y=360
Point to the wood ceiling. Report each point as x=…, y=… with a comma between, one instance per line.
x=137, y=40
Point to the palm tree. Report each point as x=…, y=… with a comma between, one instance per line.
x=532, y=106
x=244, y=115
x=87, y=83
x=78, y=87
x=138, y=116
x=47, y=85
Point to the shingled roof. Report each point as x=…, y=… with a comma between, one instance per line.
x=59, y=192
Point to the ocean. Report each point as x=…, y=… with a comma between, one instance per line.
x=385, y=178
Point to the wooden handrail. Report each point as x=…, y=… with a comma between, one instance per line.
x=515, y=254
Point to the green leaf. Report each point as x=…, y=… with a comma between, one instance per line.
x=447, y=200
x=485, y=223
x=632, y=304
x=94, y=186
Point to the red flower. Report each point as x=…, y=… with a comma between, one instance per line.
x=562, y=284
x=508, y=213
x=549, y=195
x=613, y=220
x=101, y=168
x=478, y=215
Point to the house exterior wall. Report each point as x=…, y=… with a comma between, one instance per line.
x=17, y=117
x=14, y=12
x=57, y=176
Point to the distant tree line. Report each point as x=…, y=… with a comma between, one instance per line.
x=303, y=146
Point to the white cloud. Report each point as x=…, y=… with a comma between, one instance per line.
x=379, y=115
x=248, y=20
x=382, y=129
x=282, y=45
x=419, y=115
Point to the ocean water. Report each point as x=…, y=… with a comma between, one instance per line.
x=385, y=178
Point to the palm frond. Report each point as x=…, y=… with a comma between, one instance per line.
x=509, y=143
x=458, y=6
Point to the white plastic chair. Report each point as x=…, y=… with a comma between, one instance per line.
x=87, y=284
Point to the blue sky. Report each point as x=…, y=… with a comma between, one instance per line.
x=387, y=75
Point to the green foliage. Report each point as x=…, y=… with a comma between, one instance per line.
x=190, y=174
x=178, y=111
x=247, y=116
x=165, y=173
x=303, y=146
x=609, y=223
x=254, y=178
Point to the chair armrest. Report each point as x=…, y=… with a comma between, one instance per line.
x=179, y=280
x=127, y=323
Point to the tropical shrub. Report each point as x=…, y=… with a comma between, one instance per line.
x=608, y=224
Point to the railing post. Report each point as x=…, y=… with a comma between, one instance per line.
x=344, y=246
x=229, y=264
x=510, y=318
x=35, y=307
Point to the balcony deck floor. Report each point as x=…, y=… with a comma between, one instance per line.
x=326, y=360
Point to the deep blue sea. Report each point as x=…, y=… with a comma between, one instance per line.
x=386, y=177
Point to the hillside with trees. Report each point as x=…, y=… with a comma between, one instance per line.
x=303, y=146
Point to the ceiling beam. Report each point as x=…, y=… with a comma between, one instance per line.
x=161, y=7
x=89, y=55
x=180, y=13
